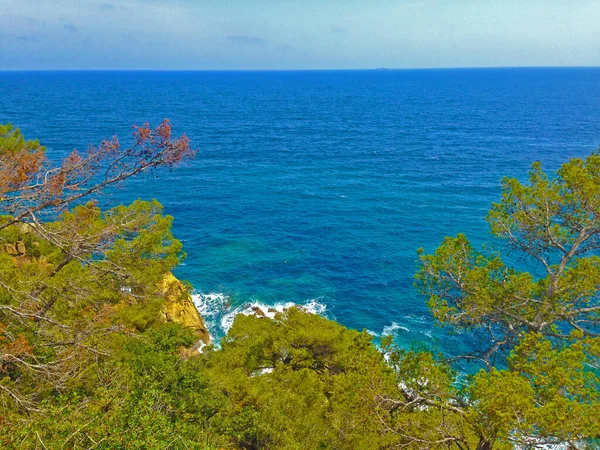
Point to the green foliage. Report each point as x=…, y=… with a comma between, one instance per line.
x=12, y=141
x=86, y=360
x=540, y=378
x=144, y=396
x=300, y=381
x=321, y=392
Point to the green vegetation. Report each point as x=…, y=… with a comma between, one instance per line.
x=540, y=380
x=87, y=361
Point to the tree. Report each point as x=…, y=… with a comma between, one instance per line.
x=539, y=381
x=86, y=361
x=299, y=381
x=29, y=185
x=70, y=273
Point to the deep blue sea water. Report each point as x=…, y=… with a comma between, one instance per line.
x=319, y=187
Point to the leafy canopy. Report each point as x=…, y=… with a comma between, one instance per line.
x=540, y=355
x=87, y=361
x=71, y=273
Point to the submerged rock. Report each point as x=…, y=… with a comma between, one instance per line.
x=180, y=308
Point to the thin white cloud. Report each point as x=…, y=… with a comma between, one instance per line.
x=205, y=34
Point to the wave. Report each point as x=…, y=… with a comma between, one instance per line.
x=219, y=312
x=393, y=329
x=402, y=333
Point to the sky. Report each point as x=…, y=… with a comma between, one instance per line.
x=300, y=34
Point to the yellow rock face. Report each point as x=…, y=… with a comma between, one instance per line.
x=16, y=249
x=180, y=308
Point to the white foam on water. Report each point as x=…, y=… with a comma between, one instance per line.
x=395, y=329
x=218, y=314
x=391, y=329
x=211, y=306
x=315, y=307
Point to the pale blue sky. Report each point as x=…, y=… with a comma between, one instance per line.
x=301, y=34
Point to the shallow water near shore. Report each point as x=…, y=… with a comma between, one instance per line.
x=317, y=188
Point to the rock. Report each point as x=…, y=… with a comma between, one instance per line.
x=272, y=310
x=259, y=312
x=11, y=249
x=188, y=352
x=16, y=249
x=24, y=228
x=180, y=308
x=20, y=246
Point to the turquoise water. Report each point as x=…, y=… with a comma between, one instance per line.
x=319, y=187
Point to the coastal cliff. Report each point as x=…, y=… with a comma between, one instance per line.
x=180, y=308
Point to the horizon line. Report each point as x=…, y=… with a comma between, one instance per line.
x=381, y=69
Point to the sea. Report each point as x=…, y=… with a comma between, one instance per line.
x=317, y=188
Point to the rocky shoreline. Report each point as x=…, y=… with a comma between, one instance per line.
x=180, y=308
